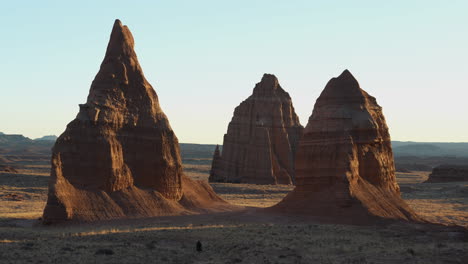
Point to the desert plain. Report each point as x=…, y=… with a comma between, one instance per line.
x=243, y=236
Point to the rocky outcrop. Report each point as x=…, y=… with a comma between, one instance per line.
x=120, y=157
x=261, y=140
x=448, y=173
x=344, y=163
x=215, y=166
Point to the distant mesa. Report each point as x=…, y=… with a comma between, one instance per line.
x=119, y=157
x=19, y=145
x=448, y=173
x=430, y=149
x=344, y=164
x=47, y=138
x=10, y=139
x=261, y=140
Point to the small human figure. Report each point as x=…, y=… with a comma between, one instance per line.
x=199, y=246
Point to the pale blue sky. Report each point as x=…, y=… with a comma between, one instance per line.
x=204, y=57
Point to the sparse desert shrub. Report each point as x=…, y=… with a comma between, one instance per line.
x=104, y=251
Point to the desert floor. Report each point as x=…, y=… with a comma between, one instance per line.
x=237, y=237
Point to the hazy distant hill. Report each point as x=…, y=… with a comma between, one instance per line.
x=408, y=155
x=13, y=139
x=48, y=138
x=424, y=149
x=197, y=151
x=21, y=145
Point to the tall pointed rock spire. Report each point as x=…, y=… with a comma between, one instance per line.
x=261, y=140
x=344, y=164
x=120, y=157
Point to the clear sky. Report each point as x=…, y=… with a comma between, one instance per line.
x=204, y=57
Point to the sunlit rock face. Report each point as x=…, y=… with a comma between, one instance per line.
x=262, y=137
x=119, y=157
x=344, y=161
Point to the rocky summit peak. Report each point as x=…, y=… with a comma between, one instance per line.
x=269, y=78
x=345, y=85
x=346, y=78
x=346, y=74
x=121, y=41
x=117, y=22
x=121, y=71
x=268, y=85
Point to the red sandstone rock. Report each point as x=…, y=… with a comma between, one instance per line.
x=261, y=139
x=344, y=163
x=120, y=157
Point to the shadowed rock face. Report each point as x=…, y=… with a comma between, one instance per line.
x=215, y=166
x=119, y=157
x=344, y=162
x=261, y=139
x=448, y=173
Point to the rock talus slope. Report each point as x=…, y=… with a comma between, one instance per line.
x=119, y=157
x=344, y=165
x=262, y=136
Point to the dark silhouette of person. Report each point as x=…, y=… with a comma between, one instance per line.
x=199, y=246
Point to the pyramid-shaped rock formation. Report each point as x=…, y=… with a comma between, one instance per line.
x=344, y=164
x=261, y=139
x=119, y=157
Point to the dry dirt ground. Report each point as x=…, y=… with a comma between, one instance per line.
x=238, y=237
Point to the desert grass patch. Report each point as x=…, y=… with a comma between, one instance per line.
x=225, y=240
x=9, y=241
x=145, y=229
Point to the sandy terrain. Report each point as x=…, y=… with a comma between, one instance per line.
x=445, y=203
x=238, y=237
